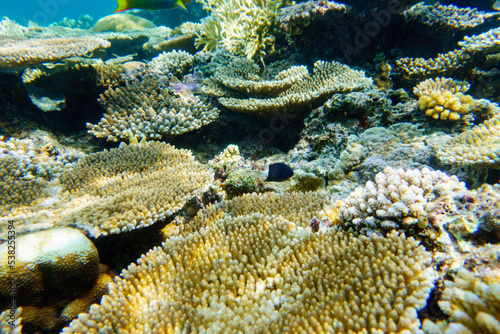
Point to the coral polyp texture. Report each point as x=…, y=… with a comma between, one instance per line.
x=450, y=16
x=119, y=190
x=479, y=146
x=293, y=89
x=242, y=27
x=306, y=12
x=146, y=108
x=23, y=52
x=258, y=273
x=472, y=303
x=397, y=198
x=444, y=98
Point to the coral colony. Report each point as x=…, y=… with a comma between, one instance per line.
x=270, y=167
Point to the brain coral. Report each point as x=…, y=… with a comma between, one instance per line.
x=444, y=98
x=119, y=190
x=265, y=274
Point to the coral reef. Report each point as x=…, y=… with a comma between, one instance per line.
x=476, y=147
x=471, y=301
x=119, y=190
x=397, y=198
x=296, y=91
x=146, y=108
x=302, y=14
x=244, y=28
x=472, y=53
x=22, y=52
x=444, y=98
x=28, y=164
x=450, y=16
x=269, y=274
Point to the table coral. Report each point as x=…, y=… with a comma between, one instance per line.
x=450, y=16
x=258, y=273
x=22, y=52
x=444, y=98
x=296, y=91
x=118, y=190
x=146, y=108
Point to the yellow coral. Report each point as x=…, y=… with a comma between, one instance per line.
x=443, y=98
x=118, y=190
x=258, y=273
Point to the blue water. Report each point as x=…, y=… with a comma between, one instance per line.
x=44, y=12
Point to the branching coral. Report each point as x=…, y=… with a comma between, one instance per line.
x=397, y=197
x=305, y=12
x=175, y=62
x=258, y=273
x=21, y=52
x=451, y=16
x=472, y=302
x=292, y=89
x=472, y=53
x=243, y=27
x=119, y=190
x=443, y=98
x=479, y=146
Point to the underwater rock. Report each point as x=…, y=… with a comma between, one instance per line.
x=122, y=21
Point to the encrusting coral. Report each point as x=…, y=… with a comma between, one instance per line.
x=22, y=52
x=472, y=302
x=255, y=272
x=397, y=198
x=292, y=90
x=444, y=98
x=119, y=190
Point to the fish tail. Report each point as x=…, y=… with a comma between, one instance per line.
x=122, y=6
x=180, y=4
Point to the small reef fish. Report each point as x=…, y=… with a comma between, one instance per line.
x=189, y=85
x=278, y=172
x=150, y=4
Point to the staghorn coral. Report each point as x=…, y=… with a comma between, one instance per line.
x=242, y=27
x=146, y=108
x=22, y=52
x=119, y=190
x=472, y=303
x=257, y=273
x=10, y=321
x=477, y=147
x=9, y=28
x=473, y=52
x=444, y=98
x=451, y=16
x=327, y=78
x=397, y=198
x=227, y=159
